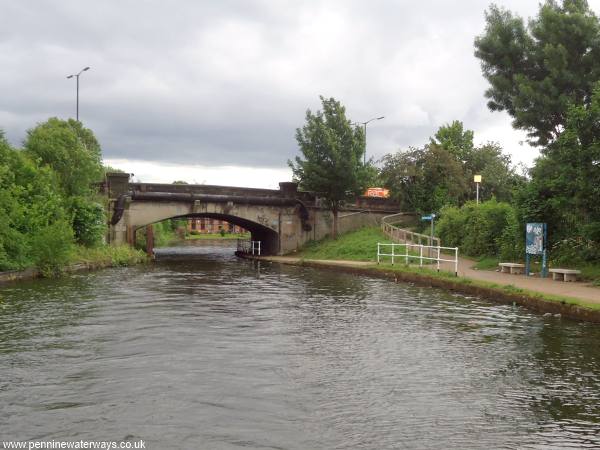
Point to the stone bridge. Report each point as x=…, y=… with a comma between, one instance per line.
x=283, y=220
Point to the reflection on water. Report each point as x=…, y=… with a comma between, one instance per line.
x=203, y=350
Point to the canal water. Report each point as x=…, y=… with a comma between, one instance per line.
x=202, y=350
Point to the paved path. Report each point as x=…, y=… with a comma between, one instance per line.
x=580, y=290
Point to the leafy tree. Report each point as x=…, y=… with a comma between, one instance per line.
x=441, y=173
x=332, y=151
x=536, y=71
x=455, y=139
x=70, y=150
x=565, y=183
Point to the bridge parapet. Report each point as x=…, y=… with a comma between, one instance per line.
x=282, y=219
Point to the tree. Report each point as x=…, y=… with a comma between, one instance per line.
x=332, y=151
x=455, y=139
x=70, y=150
x=565, y=183
x=441, y=173
x=536, y=71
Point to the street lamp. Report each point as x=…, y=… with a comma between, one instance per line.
x=77, y=76
x=364, y=124
x=477, y=180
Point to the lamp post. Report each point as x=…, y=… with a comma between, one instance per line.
x=77, y=77
x=477, y=180
x=364, y=124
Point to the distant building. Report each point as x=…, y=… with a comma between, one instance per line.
x=208, y=225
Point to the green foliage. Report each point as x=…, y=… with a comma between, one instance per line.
x=109, y=255
x=332, y=151
x=441, y=173
x=455, y=139
x=51, y=248
x=89, y=221
x=70, y=150
x=360, y=245
x=565, y=186
x=537, y=71
x=487, y=229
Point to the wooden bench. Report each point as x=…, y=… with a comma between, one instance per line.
x=564, y=274
x=512, y=268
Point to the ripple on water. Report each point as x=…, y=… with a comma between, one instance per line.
x=208, y=351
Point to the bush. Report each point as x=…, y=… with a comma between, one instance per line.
x=490, y=228
x=51, y=248
x=89, y=222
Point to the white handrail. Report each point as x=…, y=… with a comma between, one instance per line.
x=400, y=234
x=421, y=258
x=248, y=246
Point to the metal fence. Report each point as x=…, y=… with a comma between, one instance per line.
x=250, y=247
x=399, y=234
x=406, y=255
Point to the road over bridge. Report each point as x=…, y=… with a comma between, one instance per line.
x=283, y=220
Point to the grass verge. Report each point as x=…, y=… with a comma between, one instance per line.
x=108, y=256
x=360, y=245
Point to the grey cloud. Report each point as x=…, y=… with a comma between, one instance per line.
x=228, y=82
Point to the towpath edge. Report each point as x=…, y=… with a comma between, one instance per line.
x=570, y=307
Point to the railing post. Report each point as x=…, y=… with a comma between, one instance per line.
x=421, y=256
x=258, y=248
x=378, y=244
x=438, y=259
x=406, y=248
x=393, y=245
x=456, y=261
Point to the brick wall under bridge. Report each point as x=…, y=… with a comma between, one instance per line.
x=283, y=220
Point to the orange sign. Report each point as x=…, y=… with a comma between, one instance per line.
x=377, y=192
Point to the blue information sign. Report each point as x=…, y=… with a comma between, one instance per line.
x=534, y=238
x=535, y=244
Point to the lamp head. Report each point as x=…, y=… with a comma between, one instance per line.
x=70, y=76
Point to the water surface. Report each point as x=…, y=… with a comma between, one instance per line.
x=203, y=350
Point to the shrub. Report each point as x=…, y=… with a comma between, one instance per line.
x=489, y=228
x=89, y=222
x=51, y=248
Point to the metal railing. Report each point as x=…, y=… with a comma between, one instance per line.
x=250, y=247
x=407, y=256
x=398, y=234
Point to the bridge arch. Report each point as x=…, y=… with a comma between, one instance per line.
x=268, y=237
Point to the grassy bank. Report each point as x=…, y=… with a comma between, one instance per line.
x=360, y=245
x=108, y=256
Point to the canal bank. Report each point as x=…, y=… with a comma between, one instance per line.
x=84, y=260
x=471, y=282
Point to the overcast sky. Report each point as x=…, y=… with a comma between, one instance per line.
x=212, y=91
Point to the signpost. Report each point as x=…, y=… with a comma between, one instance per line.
x=430, y=217
x=536, y=237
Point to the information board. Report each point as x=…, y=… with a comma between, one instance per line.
x=534, y=239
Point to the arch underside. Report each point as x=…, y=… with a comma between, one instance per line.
x=269, y=238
